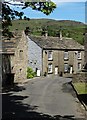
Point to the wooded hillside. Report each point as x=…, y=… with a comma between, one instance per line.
x=72, y=29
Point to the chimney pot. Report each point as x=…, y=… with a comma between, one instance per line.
x=60, y=35
x=46, y=34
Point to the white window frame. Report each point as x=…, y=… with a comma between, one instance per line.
x=79, y=66
x=79, y=55
x=66, y=55
x=66, y=67
x=50, y=55
x=50, y=68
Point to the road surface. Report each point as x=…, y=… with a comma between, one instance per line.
x=43, y=98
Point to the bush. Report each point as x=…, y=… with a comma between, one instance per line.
x=30, y=73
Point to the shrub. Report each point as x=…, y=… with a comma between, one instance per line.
x=30, y=73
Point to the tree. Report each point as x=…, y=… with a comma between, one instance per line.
x=25, y=17
x=20, y=15
x=8, y=14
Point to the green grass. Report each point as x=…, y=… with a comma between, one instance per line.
x=81, y=88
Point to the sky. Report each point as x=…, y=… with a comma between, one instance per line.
x=66, y=10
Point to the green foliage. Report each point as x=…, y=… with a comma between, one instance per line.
x=30, y=73
x=8, y=14
x=46, y=7
x=71, y=29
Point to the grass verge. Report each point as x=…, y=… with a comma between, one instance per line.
x=80, y=87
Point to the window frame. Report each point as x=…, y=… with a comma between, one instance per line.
x=79, y=55
x=66, y=55
x=50, y=69
x=66, y=70
x=21, y=54
x=79, y=67
x=50, y=55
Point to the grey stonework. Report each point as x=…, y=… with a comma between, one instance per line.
x=58, y=47
x=26, y=51
x=34, y=55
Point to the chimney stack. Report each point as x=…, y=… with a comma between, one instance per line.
x=61, y=35
x=46, y=34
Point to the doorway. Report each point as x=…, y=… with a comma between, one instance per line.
x=56, y=70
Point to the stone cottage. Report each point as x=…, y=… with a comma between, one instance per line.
x=14, y=57
x=45, y=55
x=55, y=55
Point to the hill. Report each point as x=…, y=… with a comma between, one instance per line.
x=69, y=28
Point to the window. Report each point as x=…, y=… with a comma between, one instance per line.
x=50, y=55
x=66, y=67
x=79, y=54
x=79, y=66
x=21, y=54
x=50, y=68
x=66, y=55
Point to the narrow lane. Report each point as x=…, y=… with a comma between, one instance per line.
x=48, y=96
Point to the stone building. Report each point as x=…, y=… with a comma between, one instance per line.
x=47, y=55
x=85, y=45
x=14, y=58
x=52, y=55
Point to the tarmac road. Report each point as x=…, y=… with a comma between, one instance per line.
x=49, y=97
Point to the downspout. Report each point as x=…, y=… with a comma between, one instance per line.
x=42, y=62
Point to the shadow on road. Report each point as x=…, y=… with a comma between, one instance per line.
x=83, y=98
x=68, y=87
x=13, y=87
x=14, y=109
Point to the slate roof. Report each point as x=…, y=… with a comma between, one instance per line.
x=9, y=45
x=56, y=43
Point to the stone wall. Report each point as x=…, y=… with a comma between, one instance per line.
x=58, y=61
x=85, y=45
x=79, y=77
x=34, y=56
x=45, y=62
x=19, y=61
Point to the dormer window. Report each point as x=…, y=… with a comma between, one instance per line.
x=66, y=55
x=79, y=54
x=50, y=55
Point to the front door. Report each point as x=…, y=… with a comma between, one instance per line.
x=56, y=70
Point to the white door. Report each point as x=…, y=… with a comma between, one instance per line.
x=38, y=73
x=56, y=70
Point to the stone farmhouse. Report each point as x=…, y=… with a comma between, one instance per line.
x=45, y=55
x=55, y=55
x=14, y=58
